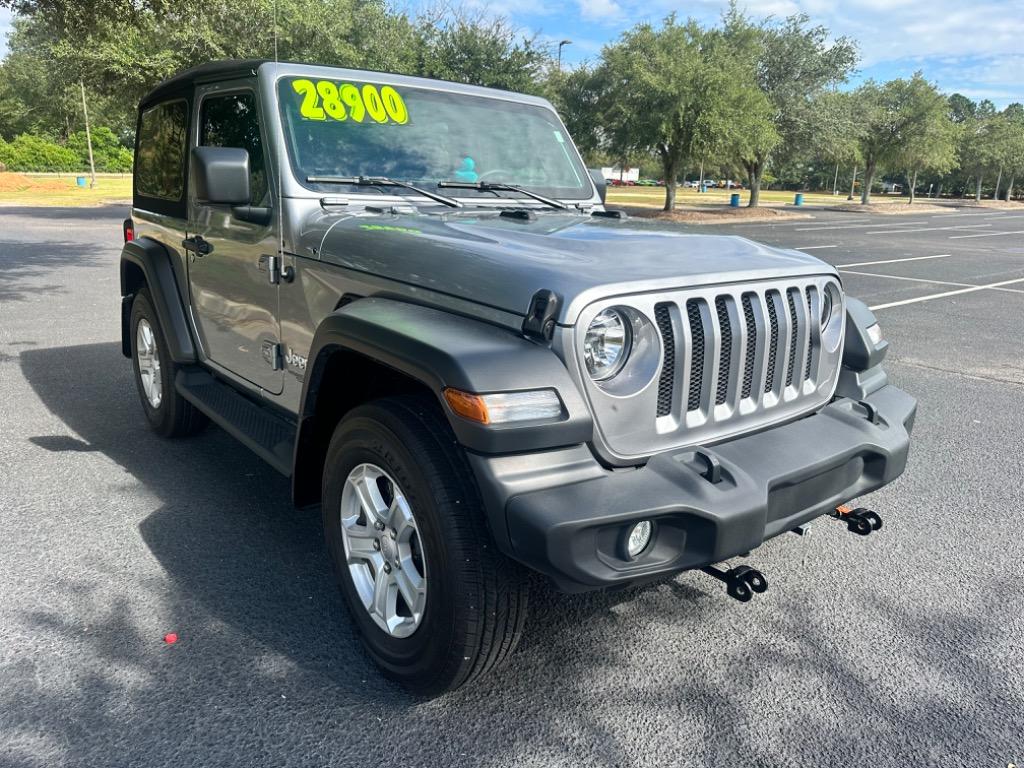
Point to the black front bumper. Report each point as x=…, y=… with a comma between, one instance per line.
x=767, y=483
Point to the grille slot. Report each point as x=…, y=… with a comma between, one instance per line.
x=751, y=351
x=792, y=337
x=773, y=343
x=666, y=383
x=696, y=354
x=725, y=355
x=810, y=332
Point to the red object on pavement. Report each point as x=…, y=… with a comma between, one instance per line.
x=171, y=638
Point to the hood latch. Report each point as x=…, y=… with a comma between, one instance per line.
x=539, y=322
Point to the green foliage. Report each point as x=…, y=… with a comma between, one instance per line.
x=674, y=92
x=475, y=50
x=794, y=63
x=32, y=153
x=906, y=125
x=109, y=155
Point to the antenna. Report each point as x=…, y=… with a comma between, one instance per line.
x=279, y=168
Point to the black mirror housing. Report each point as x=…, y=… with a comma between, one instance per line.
x=599, y=182
x=221, y=175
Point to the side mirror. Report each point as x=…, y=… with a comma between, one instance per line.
x=221, y=175
x=602, y=186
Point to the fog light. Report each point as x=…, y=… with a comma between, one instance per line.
x=639, y=538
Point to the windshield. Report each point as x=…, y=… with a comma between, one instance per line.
x=337, y=128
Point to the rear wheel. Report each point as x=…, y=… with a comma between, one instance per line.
x=436, y=605
x=168, y=413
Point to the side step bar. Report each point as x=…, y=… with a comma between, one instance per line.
x=271, y=437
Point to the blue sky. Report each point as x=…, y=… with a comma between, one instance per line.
x=974, y=47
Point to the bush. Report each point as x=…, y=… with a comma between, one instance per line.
x=32, y=153
x=107, y=152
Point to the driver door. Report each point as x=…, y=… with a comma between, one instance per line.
x=234, y=305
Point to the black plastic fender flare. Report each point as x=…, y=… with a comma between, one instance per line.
x=859, y=352
x=154, y=261
x=440, y=349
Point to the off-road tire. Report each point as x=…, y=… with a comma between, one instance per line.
x=174, y=416
x=476, y=599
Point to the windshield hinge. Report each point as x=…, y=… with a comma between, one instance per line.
x=539, y=322
x=277, y=271
x=273, y=355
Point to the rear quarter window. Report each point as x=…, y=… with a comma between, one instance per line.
x=161, y=153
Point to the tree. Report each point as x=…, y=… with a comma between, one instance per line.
x=977, y=151
x=674, y=92
x=905, y=126
x=929, y=137
x=1014, y=148
x=838, y=130
x=794, y=63
x=473, y=49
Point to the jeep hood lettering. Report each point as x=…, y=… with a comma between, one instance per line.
x=502, y=262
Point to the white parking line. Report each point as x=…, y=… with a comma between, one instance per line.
x=986, y=234
x=892, y=261
x=926, y=280
x=987, y=214
x=859, y=226
x=910, y=279
x=925, y=229
x=815, y=247
x=943, y=295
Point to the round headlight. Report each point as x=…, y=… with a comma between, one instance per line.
x=607, y=343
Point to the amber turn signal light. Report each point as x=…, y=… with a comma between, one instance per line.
x=467, y=405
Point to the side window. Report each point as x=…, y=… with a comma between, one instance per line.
x=160, y=157
x=232, y=121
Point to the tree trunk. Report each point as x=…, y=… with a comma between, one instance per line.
x=669, y=166
x=700, y=181
x=999, y=181
x=869, y=177
x=835, y=182
x=853, y=183
x=913, y=186
x=977, y=190
x=1009, y=189
x=755, y=169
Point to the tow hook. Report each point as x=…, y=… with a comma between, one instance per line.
x=740, y=582
x=861, y=521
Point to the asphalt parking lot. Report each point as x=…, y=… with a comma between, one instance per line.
x=905, y=648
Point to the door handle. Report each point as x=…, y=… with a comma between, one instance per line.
x=197, y=245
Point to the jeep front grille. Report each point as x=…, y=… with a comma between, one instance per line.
x=733, y=358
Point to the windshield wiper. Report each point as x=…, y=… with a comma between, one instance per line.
x=383, y=181
x=498, y=186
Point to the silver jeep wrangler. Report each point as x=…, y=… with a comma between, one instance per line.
x=407, y=296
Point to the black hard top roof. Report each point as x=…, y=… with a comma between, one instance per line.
x=214, y=70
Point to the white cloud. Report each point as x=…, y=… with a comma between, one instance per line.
x=603, y=11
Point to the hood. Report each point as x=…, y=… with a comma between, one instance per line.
x=500, y=261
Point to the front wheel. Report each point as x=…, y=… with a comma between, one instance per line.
x=436, y=605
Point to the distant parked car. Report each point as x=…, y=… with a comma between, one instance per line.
x=690, y=184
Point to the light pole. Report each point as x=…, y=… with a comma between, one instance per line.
x=563, y=42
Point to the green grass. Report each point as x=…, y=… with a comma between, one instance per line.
x=36, y=189
x=655, y=197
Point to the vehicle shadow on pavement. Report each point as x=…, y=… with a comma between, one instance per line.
x=268, y=655
x=22, y=274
